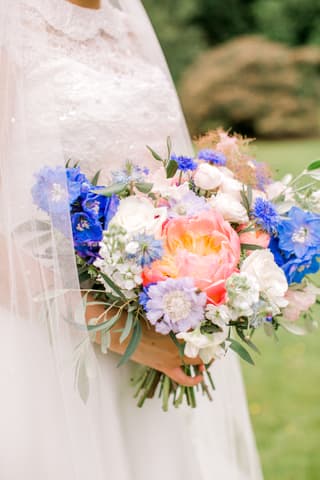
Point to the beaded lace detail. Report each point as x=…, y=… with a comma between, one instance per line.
x=110, y=100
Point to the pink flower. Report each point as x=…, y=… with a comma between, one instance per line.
x=204, y=247
x=299, y=301
x=255, y=237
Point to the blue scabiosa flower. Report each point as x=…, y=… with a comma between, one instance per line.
x=86, y=228
x=50, y=190
x=185, y=164
x=145, y=249
x=266, y=215
x=299, y=233
x=175, y=305
x=189, y=205
x=212, y=156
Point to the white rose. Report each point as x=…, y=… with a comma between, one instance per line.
x=270, y=278
x=230, y=208
x=138, y=215
x=207, y=177
x=231, y=186
x=206, y=346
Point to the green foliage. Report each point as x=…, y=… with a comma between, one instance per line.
x=294, y=22
x=180, y=37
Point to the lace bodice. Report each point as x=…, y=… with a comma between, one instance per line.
x=110, y=98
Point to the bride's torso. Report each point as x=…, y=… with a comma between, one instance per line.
x=109, y=98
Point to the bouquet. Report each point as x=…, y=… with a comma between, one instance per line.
x=206, y=250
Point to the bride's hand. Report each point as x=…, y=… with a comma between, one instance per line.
x=155, y=350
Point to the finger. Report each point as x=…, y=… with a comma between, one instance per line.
x=179, y=376
x=192, y=361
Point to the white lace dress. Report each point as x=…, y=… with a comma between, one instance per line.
x=112, y=95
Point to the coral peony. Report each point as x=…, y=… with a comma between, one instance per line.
x=204, y=247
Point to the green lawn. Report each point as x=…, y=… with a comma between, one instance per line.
x=284, y=386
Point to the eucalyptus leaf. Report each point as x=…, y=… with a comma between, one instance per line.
x=249, y=246
x=133, y=344
x=105, y=341
x=155, y=155
x=172, y=168
x=82, y=380
x=127, y=328
x=114, y=189
x=107, y=325
x=180, y=346
x=314, y=165
x=293, y=328
x=169, y=146
x=95, y=179
x=112, y=285
x=241, y=351
x=144, y=187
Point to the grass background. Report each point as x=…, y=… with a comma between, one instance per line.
x=284, y=386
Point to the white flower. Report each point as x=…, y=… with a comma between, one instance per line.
x=207, y=177
x=270, y=278
x=166, y=187
x=219, y=314
x=132, y=248
x=207, y=346
x=138, y=215
x=243, y=293
x=230, y=186
x=230, y=208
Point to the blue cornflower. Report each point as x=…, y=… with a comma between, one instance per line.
x=144, y=297
x=299, y=233
x=266, y=215
x=185, y=164
x=145, y=249
x=50, y=190
x=212, y=156
x=86, y=228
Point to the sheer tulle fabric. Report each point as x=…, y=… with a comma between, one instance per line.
x=48, y=366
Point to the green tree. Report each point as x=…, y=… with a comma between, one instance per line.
x=180, y=37
x=295, y=22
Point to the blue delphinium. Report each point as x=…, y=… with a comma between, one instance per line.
x=295, y=268
x=145, y=249
x=299, y=233
x=99, y=206
x=212, y=156
x=77, y=183
x=85, y=228
x=185, y=164
x=266, y=215
x=50, y=190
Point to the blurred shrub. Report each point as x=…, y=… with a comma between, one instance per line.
x=258, y=87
